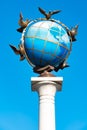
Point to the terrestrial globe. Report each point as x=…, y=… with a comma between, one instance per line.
x=46, y=43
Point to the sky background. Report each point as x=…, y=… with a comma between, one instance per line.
x=18, y=104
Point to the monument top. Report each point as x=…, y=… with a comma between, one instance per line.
x=46, y=43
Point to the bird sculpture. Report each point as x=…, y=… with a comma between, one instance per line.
x=72, y=33
x=61, y=66
x=19, y=51
x=49, y=14
x=22, y=23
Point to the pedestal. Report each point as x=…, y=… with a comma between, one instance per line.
x=46, y=88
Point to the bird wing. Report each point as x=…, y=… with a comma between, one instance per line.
x=42, y=11
x=61, y=66
x=55, y=12
x=76, y=27
x=20, y=21
x=14, y=49
x=21, y=16
x=64, y=65
x=20, y=29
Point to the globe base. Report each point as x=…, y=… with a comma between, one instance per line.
x=46, y=74
x=41, y=70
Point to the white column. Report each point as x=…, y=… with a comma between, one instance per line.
x=46, y=88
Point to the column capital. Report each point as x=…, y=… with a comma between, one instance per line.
x=37, y=82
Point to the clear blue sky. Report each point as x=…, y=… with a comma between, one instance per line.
x=18, y=104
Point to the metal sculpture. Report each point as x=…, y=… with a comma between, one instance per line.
x=22, y=51
x=49, y=14
x=22, y=23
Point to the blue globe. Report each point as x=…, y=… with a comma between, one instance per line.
x=46, y=43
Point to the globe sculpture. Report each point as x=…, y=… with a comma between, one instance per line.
x=46, y=43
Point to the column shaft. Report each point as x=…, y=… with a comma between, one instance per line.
x=46, y=88
x=47, y=107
